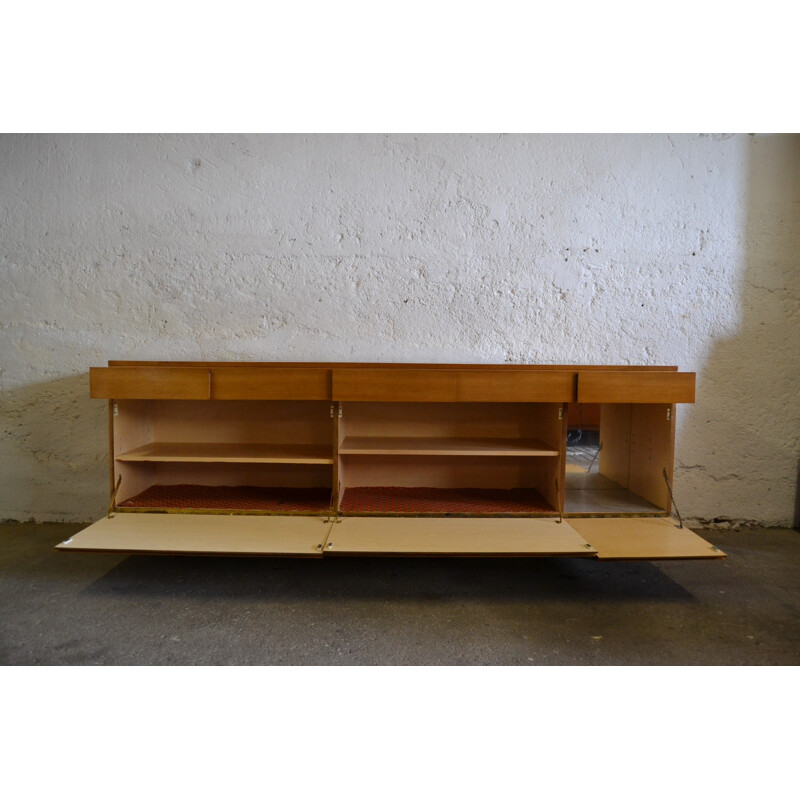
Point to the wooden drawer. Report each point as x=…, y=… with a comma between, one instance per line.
x=512, y=386
x=267, y=383
x=403, y=385
x=636, y=387
x=453, y=386
x=150, y=383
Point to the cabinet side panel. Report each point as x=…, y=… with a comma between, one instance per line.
x=134, y=426
x=651, y=452
x=338, y=429
x=615, y=442
x=542, y=421
x=112, y=477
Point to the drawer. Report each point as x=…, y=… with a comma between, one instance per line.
x=268, y=383
x=454, y=386
x=636, y=387
x=150, y=383
x=402, y=385
x=516, y=386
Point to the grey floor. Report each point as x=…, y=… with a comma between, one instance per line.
x=77, y=608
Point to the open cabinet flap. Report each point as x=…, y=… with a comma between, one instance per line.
x=203, y=534
x=455, y=536
x=643, y=538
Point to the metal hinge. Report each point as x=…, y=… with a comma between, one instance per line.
x=669, y=414
x=561, y=412
x=340, y=411
x=116, y=410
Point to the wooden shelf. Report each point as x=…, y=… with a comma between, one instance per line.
x=440, y=446
x=231, y=453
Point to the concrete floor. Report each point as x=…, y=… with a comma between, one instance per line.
x=75, y=608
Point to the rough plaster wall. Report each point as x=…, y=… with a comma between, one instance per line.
x=510, y=249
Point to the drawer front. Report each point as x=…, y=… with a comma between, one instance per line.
x=259, y=383
x=636, y=387
x=150, y=383
x=516, y=386
x=454, y=386
x=401, y=385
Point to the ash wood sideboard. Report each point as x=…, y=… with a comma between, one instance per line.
x=330, y=459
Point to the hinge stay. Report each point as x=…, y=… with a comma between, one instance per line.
x=672, y=497
x=113, y=498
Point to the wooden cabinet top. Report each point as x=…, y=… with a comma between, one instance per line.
x=390, y=382
x=389, y=365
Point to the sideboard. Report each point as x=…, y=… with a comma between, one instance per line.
x=340, y=459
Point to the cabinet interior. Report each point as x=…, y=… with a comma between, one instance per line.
x=450, y=458
x=376, y=458
x=618, y=463
x=226, y=455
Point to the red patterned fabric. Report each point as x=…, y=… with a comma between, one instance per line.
x=426, y=500
x=234, y=498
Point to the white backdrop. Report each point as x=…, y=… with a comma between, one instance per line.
x=611, y=249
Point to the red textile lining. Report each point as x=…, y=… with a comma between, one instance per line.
x=427, y=500
x=235, y=498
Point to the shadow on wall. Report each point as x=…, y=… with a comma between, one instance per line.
x=751, y=381
x=55, y=451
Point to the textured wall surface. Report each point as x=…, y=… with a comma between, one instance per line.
x=641, y=249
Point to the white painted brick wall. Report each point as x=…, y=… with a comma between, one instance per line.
x=641, y=249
